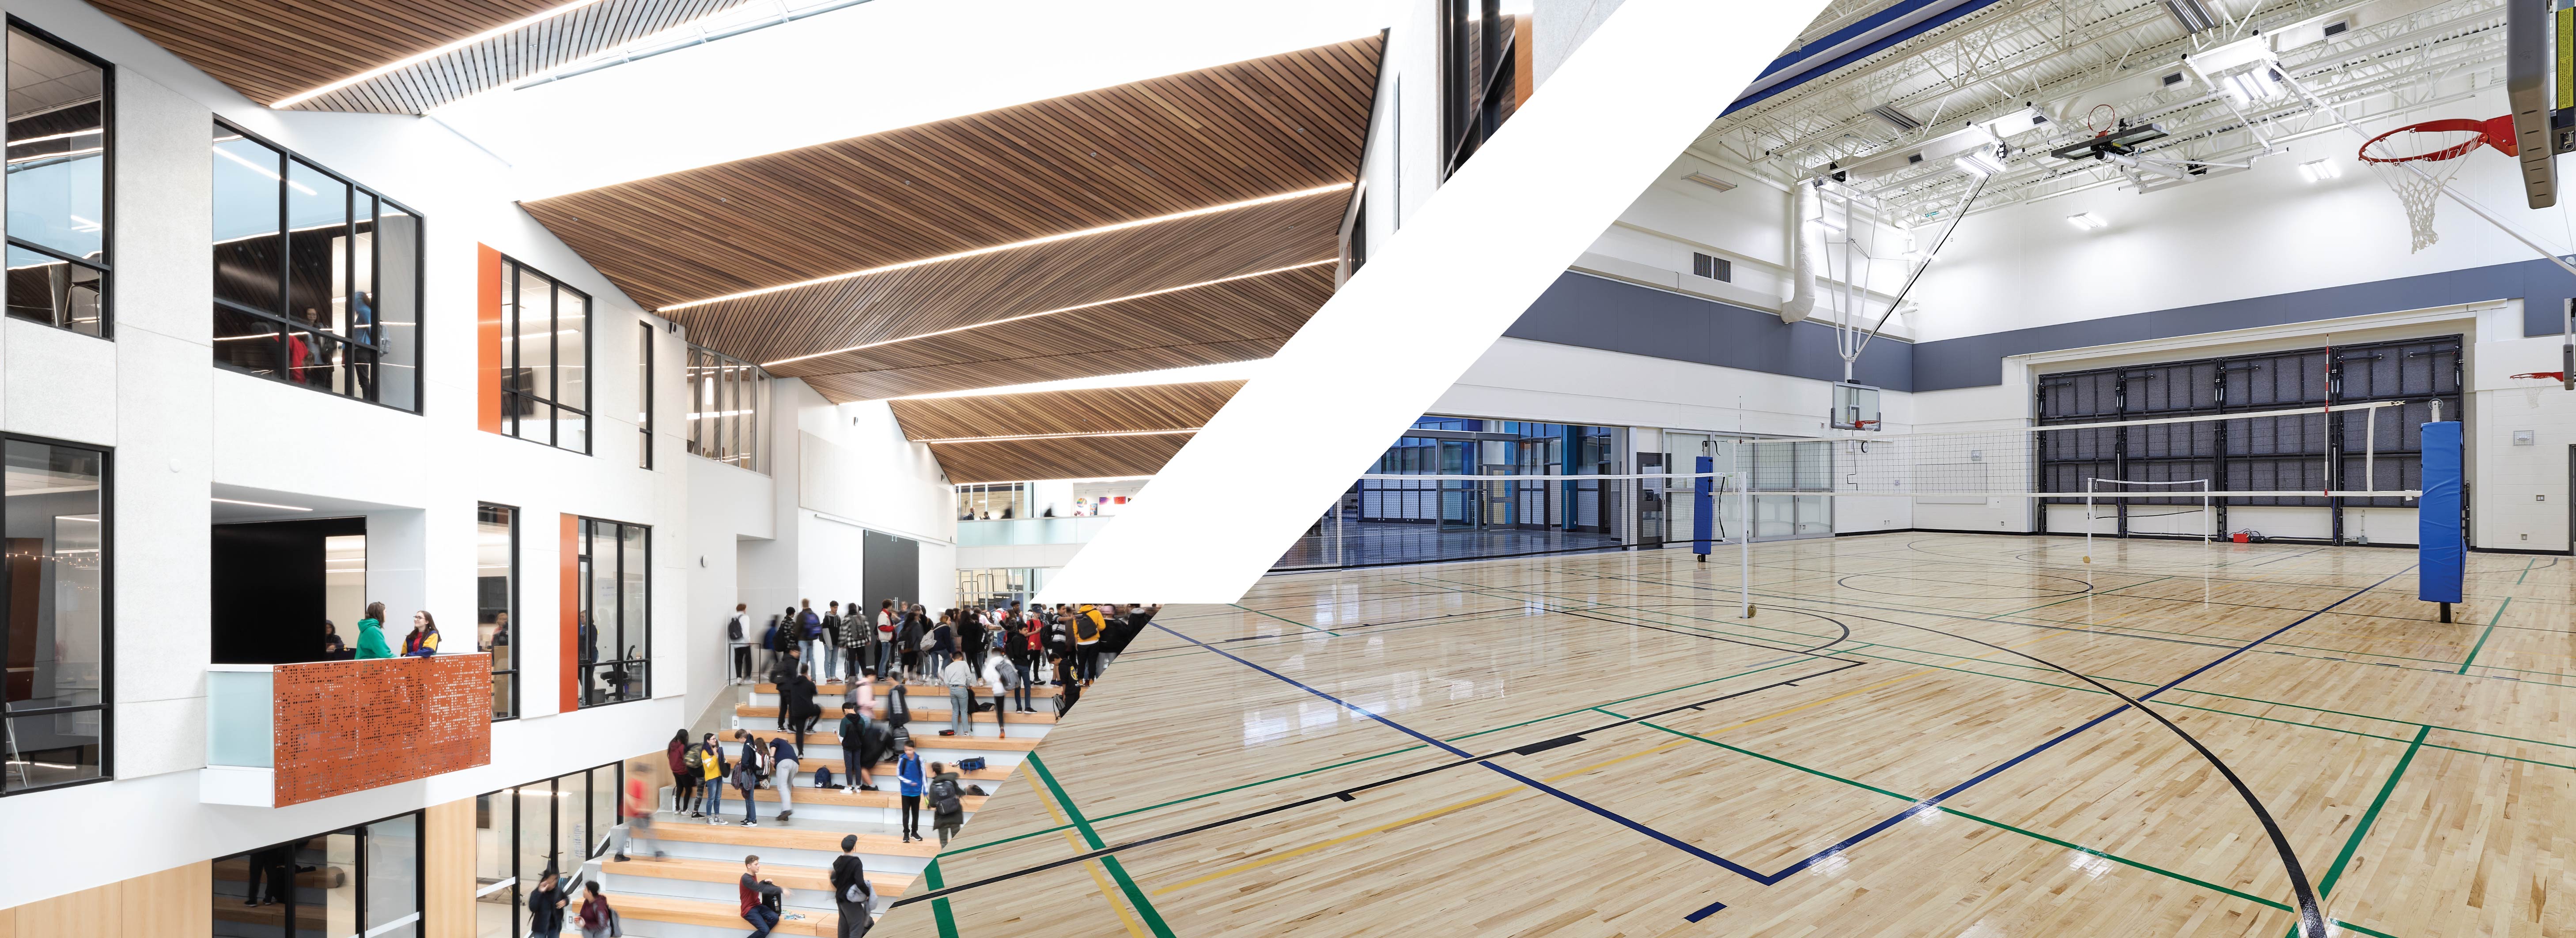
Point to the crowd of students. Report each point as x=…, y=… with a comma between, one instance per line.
x=903, y=639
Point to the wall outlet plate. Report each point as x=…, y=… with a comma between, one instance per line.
x=2522, y=438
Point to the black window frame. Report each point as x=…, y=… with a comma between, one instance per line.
x=358, y=871
x=524, y=881
x=517, y=405
x=510, y=607
x=1479, y=72
x=285, y=322
x=105, y=265
x=106, y=706
x=585, y=661
x=644, y=395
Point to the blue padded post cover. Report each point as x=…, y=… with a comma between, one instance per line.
x=2439, y=552
x=1703, y=508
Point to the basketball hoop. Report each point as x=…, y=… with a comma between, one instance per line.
x=1864, y=425
x=2417, y=160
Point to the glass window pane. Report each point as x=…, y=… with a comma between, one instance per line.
x=53, y=748
x=572, y=828
x=249, y=246
x=247, y=342
x=493, y=860
x=536, y=835
x=56, y=646
x=535, y=373
x=603, y=802
x=633, y=608
x=317, y=242
x=53, y=291
x=572, y=326
x=396, y=306
x=328, y=896
x=393, y=876
x=496, y=593
x=572, y=430
x=599, y=639
x=57, y=148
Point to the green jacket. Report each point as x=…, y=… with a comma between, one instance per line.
x=371, y=640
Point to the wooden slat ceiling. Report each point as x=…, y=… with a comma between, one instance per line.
x=1248, y=130
x=269, y=50
x=1082, y=457
x=1088, y=410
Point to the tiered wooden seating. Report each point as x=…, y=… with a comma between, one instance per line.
x=789, y=838
x=799, y=878
x=837, y=689
x=920, y=714
x=921, y=739
x=725, y=915
x=808, y=794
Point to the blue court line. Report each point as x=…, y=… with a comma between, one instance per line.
x=1771, y=879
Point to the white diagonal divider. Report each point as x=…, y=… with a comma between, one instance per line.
x=1471, y=259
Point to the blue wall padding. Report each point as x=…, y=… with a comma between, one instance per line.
x=2441, y=553
x=1703, y=508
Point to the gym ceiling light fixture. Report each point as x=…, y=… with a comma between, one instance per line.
x=998, y=248
x=2320, y=170
x=2086, y=221
x=1981, y=161
x=417, y=58
x=1057, y=436
x=236, y=501
x=1051, y=312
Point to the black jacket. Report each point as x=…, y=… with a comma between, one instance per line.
x=797, y=693
x=846, y=869
x=545, y=912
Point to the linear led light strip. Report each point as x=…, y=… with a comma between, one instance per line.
x=1015, y=245
x=409, y=61
x=1058, y=436
x=1051, y=312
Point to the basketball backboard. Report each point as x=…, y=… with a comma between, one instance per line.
x=2540, y=81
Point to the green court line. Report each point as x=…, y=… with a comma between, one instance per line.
x=2482, y=636
x=939, y=910
x=2526, y=571
x=1285, y=619
x=2325, y=887
x=1117, y=872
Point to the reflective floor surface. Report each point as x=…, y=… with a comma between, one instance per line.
x=1916, y=734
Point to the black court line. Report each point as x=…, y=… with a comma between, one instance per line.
x=1346, y=794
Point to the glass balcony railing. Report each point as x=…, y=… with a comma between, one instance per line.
x=1019, y=531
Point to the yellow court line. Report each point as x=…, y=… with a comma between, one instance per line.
x=1106, y=891
x=1481, y=799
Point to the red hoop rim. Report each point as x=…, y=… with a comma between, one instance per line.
x=2486, y=131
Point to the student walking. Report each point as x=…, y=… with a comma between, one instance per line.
x=711, y=779
x=970, y=638
x=546, y=907
x=762, y=900
x=910, y=635
x=854, y=744
x=961, y=697
x=1001, y=677
x=782, y=774
x=947, y=803
x=746, y=777
x=909, y=771
x=831, y=641
x=941, y=645
x=887, y=620
x=1087, y=628
x=796, y=701
x=371, y=634
x=850, y=890
x=809, y=629
x=737, y=634
x=597, y=919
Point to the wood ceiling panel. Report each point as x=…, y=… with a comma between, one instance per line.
x=932, y=297
x=270, y=50
x=1076, y=458
x=1085, y=410
x=932, y=379
x=1225, y=134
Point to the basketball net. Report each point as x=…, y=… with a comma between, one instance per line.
x=2416, y=161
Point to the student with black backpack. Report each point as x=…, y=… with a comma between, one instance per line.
x=734, y=629
x=947, y=804
x=746, y=777
x=850, y=890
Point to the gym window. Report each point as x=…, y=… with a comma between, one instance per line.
x=317, y=279
x=59, y=163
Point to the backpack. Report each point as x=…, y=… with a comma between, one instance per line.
x=943, y=798
x=1086, y=625
x=822, y=776
x=733, y=628
x=695, y=759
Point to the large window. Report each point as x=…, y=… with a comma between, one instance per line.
x=615, y=626
x=56, y=627
x=1479, y=75
x=728, y=398
x=58, y=174
x=496, y=601
x=317, y=279
x=644, y=395
x=362, y=880
x=2294, y=453
x=545, y=359
x=520, y=833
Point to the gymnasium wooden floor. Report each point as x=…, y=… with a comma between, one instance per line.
x=1846, y=763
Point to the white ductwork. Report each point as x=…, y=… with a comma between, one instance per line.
x=1806, y=244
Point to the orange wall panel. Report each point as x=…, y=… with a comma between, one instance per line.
x=487, y=338
x=349, y=726
x=569, y=660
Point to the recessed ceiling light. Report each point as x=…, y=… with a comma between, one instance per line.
x=2086, y=221
x=2320, y=170
x=236, y=501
